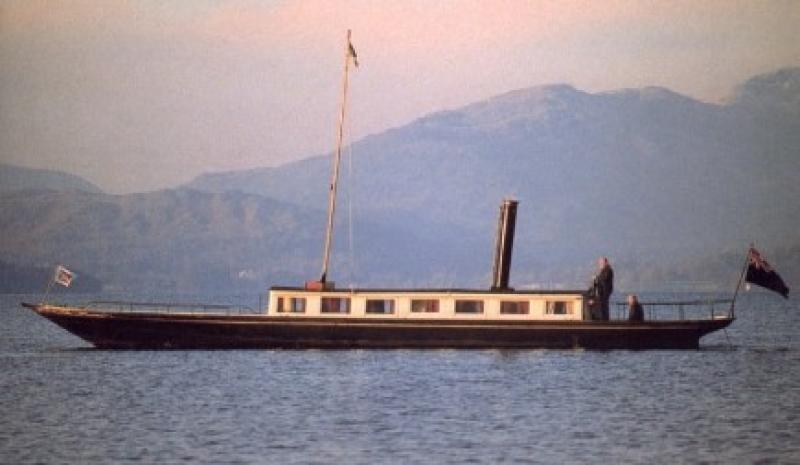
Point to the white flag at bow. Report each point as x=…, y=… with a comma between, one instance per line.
x=63, y=276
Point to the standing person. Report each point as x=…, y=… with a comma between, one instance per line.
x=635, y=311
x=602, y=287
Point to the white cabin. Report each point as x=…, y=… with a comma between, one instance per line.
x=418, y=304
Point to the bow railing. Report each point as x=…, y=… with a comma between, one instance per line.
x=166, y=307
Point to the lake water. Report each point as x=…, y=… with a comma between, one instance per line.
x=63, y=402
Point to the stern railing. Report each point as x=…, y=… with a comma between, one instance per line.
x=678, y=310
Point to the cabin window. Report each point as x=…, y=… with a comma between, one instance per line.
x=559, y=308
x=291, y=305
x=510, y=307
x=424, y=306
x=380, y=306
x=469, y=306
x=334, y=305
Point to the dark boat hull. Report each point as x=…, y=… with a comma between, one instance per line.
x=124, y=330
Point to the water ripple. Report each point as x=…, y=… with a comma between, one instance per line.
x=64, y=403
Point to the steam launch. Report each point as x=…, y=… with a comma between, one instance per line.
x=318, y=315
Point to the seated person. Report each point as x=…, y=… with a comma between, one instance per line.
x=635, y=311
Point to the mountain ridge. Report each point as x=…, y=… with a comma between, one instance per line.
x=667, y=147
x=14, y=177
x=649, y=177
x=188, y=240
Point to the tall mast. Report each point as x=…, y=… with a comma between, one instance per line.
x=349, y=52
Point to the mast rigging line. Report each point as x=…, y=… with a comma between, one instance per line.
x=351, y=187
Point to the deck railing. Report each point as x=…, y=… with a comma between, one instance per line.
x=678, y=310
x=166, y=307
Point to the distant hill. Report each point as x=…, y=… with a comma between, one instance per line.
x=19, y=178
x=636, y=173
x=777, y=93
x=191, y=241
x=672, y=189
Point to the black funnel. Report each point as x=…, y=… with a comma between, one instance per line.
x=504, y=244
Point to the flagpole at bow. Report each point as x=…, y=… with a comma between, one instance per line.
x=731, y=312
x=50, y=283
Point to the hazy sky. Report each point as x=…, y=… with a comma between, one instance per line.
x=140, y=95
